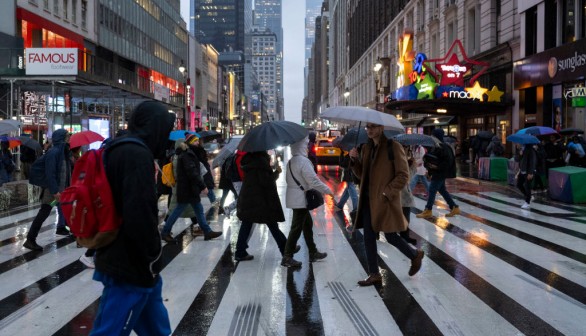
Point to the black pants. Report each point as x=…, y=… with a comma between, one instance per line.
x=525, y=186
x=42, y=215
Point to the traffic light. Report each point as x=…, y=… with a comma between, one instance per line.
x=207, y=126
x=302, y=122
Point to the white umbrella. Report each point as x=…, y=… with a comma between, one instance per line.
x=9, y=125
x=226, y=151
x=351, y=114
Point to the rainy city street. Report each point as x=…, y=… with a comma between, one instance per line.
x=494, y=270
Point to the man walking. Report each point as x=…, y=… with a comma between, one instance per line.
x=58, y=167
x=383, y=170
x=444, y=166
x=129, y=267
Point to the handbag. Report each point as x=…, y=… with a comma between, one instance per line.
x=313, y=198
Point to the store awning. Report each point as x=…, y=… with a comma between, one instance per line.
x=453, y=107
x=437, y=121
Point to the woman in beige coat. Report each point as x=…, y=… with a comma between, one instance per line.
x=383, y=174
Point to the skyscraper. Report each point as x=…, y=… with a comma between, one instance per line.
x=312, y=10
x=221, y=23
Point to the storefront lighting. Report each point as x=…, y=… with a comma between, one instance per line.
x=378, y=65
x=435, y=121
x=441, y=110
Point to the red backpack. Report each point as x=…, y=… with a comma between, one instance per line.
x=88, y=203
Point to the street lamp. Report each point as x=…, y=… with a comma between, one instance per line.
x=346, y=95
x=183, y=71
x=378, y=65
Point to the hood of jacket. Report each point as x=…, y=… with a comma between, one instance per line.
x=58, y=137
x=496, y=139
x=438, y=133
x=256, y=160
x=300, y=147
x=151, y=122
x=178, y=143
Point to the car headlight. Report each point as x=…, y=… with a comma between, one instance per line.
x=279, y=149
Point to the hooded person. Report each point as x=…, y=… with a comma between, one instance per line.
x=311, y=153
x=58, y=168
x=129, y=267
x=301, y=169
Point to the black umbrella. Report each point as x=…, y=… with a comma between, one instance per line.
x=485, y=134
x=450, y=139
x=272, y=134
x=354, y=137
x=571, y=130
x=209, y=135
x=29, y=142
x=416, y=139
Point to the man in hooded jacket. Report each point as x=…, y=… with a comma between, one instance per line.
x=129, y=267
x=58, y=174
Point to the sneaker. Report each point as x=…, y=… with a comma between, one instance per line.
x=169, y=239
x=212, y=234
x=455, y=211
x=526, y=206
x=416, y=263
x=62, y=231
x=88, y=261
x=290, y=262
x=245, y=258
x=532, y=198
x=425, y=214
x=227, y=211
x=317, y=255
x=32, y=245
x=374, y=278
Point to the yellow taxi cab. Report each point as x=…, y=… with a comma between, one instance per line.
x=326, y=153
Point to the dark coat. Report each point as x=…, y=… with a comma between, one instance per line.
x=259, y=200
x=386, y=180
x=446, y=167
x=134, y=256
x=347, y=175
x=201, y=154
x=188, y=179
x=56, y=156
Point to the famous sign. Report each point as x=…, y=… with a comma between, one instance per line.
x=51, y=61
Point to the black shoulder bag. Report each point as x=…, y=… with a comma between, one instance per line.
x=313, y=198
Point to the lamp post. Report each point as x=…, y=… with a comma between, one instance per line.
x=224, y=110
x=346, y=95
x=183, y=71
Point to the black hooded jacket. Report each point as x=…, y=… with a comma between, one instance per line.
x=134, y=257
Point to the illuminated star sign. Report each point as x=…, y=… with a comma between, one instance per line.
x=476, y=91
x=452, y=70
x=494, y=95
x=426, y=88
x=406, y=55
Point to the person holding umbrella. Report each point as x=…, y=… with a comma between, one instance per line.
x=527, y=170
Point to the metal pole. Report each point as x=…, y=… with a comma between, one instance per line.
x=11, y=98
x=123, y=116
x=50, y=122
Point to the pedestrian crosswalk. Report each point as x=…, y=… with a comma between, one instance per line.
x=494, y=270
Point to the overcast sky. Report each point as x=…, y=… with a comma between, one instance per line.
x=294, y=53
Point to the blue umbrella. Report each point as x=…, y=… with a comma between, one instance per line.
x=416, y=139
x=523, y=139
x=537, y=130
x=180, y=134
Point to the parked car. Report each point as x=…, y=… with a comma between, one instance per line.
x=326, y=153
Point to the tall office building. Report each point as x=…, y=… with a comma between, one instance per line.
x=312, y=10
x=221, y=23
x=268, y=15
x=264, y=61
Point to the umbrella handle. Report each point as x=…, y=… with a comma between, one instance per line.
x=357, y=136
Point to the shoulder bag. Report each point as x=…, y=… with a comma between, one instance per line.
x=313, y=198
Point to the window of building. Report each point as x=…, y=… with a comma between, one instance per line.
x=583, y=19
x=74, y=11
x=46, y=4
x=56, y=7
x=473, y=32
x=531, y=31
x=84, y=14
x=569, y=21
x=65, y=10
x=450, y=34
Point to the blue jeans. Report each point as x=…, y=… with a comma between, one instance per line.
x=419, y=178
x=370, y=238
x=197, y=208
x=350, y=191
x=438, y=185
x=244, y=236
x=124, y=308
x=211, y=195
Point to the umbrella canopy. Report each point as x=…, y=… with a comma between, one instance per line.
x=272, y=134
x=485, y=134
x=450, y=139
x=209, y=135
x=523, y=139
x=8, y=126
x=538, y=130
x=31, y=143
x=351, y=114
x=12, y=141
x=354, y=137
x=571, y=130
x=84, y=138
x=225, y=152
x=180, y=134
x=416, y=139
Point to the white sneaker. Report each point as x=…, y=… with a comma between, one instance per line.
x=525, y=206
x=227, y=211
x=532, y=198
x=88, y=261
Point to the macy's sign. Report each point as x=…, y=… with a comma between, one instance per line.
x=51, y=61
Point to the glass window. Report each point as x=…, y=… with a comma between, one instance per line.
x=84, y=13
x=74, y=11
x=531, y=31
x=65, y=9
x=46, y=4
x=56, y=7
x=569, y=21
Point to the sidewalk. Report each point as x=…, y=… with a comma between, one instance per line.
x=469, y=173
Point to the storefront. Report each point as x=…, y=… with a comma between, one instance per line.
x=552, y=88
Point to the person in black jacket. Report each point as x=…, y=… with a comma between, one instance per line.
x=259, y=202
x=208, y=179
x=189, y=186
x=527, y=171
x=129, y=267
x=444, y=167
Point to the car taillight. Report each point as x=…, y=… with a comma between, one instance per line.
x=315, y=148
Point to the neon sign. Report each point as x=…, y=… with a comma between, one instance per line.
x=406, y=56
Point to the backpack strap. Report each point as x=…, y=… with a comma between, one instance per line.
x=293, y=176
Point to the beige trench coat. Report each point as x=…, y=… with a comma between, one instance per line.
x=386, y=180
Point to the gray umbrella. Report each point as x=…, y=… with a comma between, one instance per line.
x=226, y=151
x=272, y=134
x=354, y=137
x=29, y=142
x=416, y=139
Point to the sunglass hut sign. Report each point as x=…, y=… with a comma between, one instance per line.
x=51, y=61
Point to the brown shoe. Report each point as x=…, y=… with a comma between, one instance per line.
x=455, y=211
x=374, y=278
x=425, y=214
x=416, y=263
x=211, y=235
x=196, y=231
